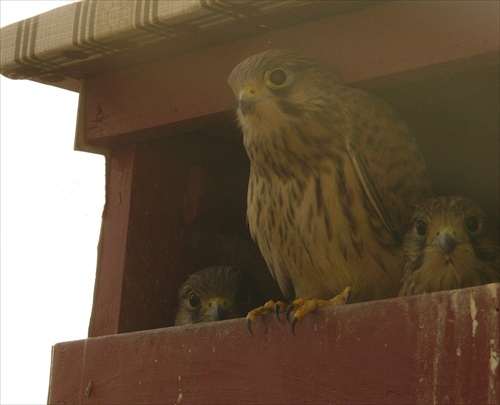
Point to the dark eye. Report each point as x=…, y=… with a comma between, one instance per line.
x=472, y=223
x=421, y=227
x=194, y=300
x=276, y=78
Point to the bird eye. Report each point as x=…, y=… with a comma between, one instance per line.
x=194, y=300
x=421, y=227
x=472, y=223
x=276, y=78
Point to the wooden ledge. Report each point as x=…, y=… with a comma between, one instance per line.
x=434, y=348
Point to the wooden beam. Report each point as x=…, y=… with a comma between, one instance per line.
x=105, y=319
x=393, y=41
x=432, y=348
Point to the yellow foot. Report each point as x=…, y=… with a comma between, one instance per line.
x=269, y=307
x=303, y=306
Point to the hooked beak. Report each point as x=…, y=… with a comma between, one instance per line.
x=447, y=239
x=216, y=310
x=248, y=97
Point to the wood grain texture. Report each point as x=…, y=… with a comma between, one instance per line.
x=105, y=318
x=435, y=348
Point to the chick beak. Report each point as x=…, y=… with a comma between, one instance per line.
x=216, y=309
x=247, y=99
x=447, y=240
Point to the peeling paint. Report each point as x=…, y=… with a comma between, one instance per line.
x=473, y=313
x=493, y=362
x=426, y=377
x=493, y=290
x=493, y=370
x=494, y=355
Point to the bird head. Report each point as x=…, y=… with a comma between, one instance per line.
x=451, y=244
x=278, y=81
x=283, y=98
x=216, y=293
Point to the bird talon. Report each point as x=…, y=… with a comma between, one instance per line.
x=249, y=325
x=277, y=310
x=294, y=322
x=269, y=307
x=347, y=296
x=289, y=310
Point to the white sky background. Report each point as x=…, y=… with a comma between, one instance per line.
x=51, y=204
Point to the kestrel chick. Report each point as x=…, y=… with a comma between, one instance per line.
x=216, y=293
x=334, y=174
x=450, y=244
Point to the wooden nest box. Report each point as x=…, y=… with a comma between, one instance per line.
x=154, y=99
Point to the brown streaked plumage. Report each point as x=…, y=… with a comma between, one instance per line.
x=449, y=244
x=216, y=293
x=333, y=179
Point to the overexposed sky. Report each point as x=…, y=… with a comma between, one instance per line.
x=51, y=204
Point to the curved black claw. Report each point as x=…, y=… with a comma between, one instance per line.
x=277, y=311
x=347, y=296
x=249, y=326
x=289, y=310
x=294, y=322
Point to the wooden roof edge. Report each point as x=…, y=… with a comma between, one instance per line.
x=57, y=46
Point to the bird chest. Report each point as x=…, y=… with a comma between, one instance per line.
x=154, y=99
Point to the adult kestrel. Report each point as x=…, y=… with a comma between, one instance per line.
x=450, y=244
x=216, y=293
x=334, y=177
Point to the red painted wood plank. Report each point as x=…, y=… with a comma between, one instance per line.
x=66, y=366
x=434, y=348
x=105, y=317
x=412, y=39
x=235, y=29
